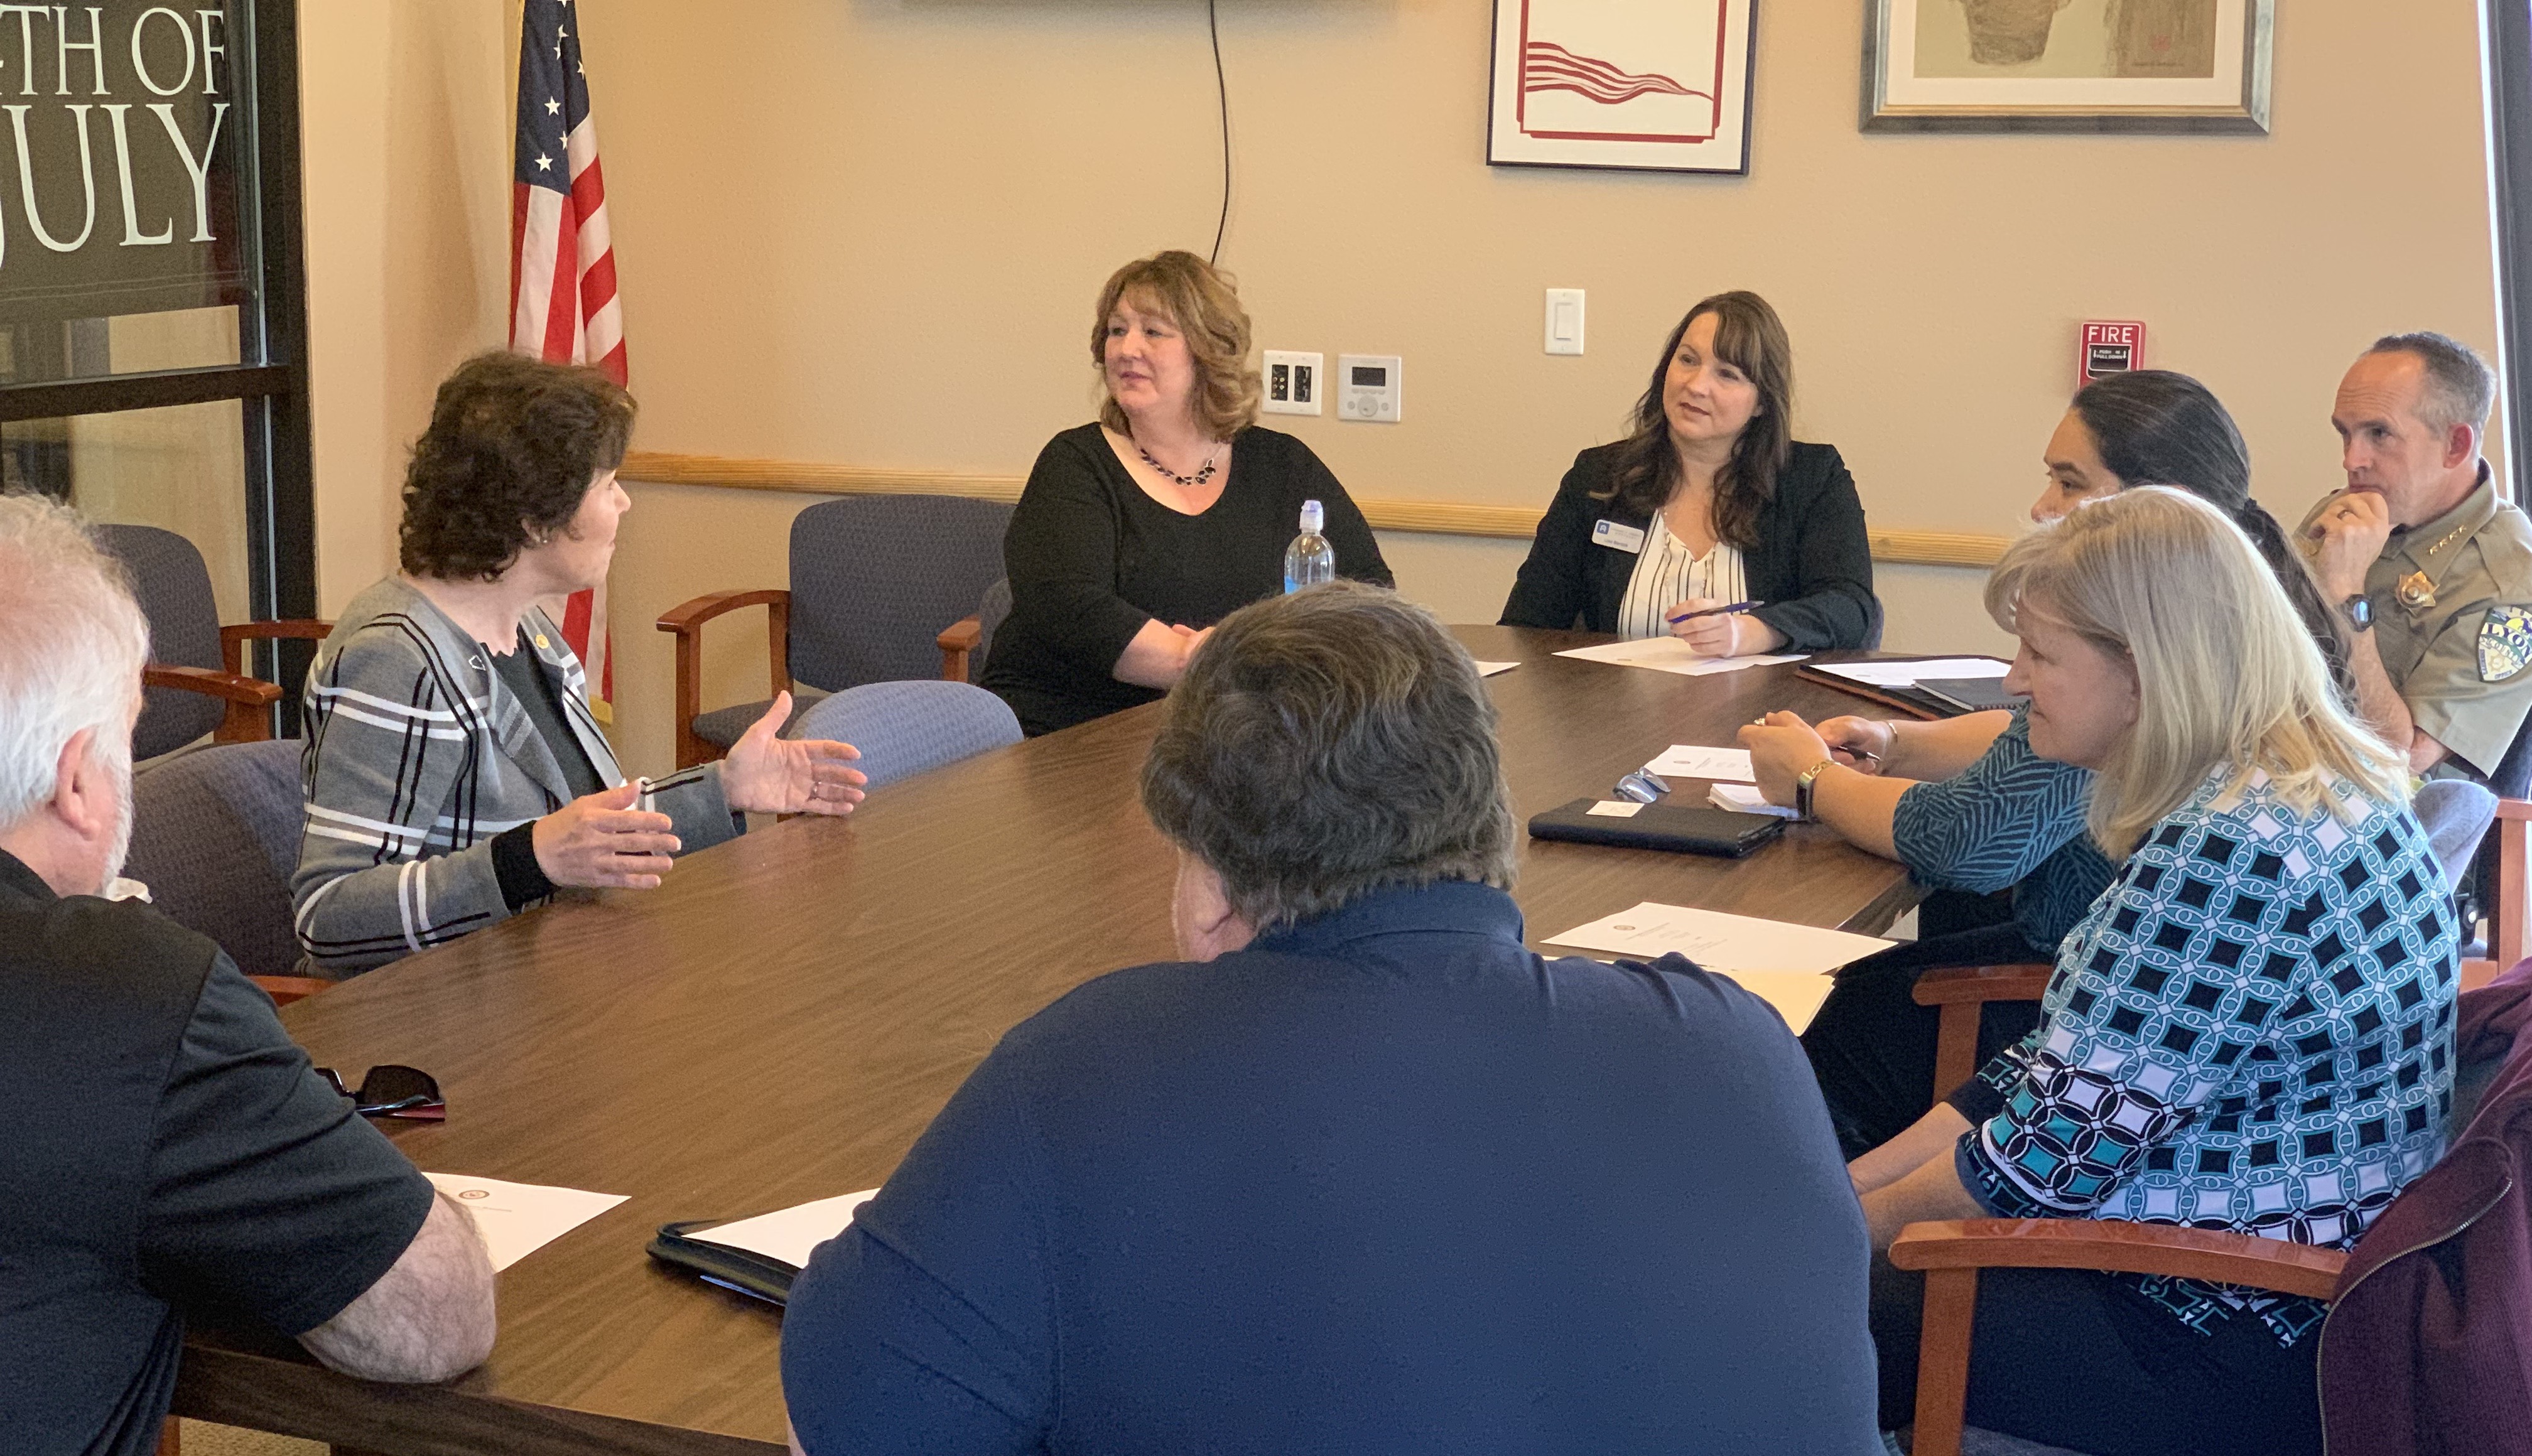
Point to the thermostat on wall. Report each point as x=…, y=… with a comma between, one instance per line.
x=1369, y=386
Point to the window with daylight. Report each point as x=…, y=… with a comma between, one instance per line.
x=152, y=319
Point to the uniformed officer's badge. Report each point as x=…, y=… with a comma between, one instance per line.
x=2505, y=642
x=2416, y=592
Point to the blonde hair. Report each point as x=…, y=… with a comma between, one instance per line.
x=1204, y=304
x=2226, y=675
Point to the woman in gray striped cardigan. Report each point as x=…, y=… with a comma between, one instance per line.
x=454, y=773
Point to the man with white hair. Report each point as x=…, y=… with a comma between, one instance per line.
x=164, y=1148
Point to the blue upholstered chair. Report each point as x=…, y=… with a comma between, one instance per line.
x=196, y=682
x=2455, y=814
x=215, y=837
x=875, y=578
x=905, y=728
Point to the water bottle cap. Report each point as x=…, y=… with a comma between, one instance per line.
x=1312, y=516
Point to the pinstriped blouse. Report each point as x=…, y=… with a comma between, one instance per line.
x=1666, y=574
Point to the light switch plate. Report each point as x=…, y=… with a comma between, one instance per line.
x=1370, y=387
x=1565, y=320
x=1296, y=384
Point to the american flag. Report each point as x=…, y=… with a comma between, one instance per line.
x=1548, y=67
x=563, y=307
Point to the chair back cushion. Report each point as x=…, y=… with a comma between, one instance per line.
x=905, y=728
x=989, y=615
x=215, y=837
x=174, y=588
x=2455, y=814
x=876, y=578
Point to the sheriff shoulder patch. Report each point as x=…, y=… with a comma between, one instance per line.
x=2505, y=642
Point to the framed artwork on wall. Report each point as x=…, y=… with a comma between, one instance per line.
x=2067, y=64
x=1658, y=86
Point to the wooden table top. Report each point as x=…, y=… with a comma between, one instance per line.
x=782, y=1019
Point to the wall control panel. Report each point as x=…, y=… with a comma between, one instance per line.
x=1369, y=386
x=1293, y=382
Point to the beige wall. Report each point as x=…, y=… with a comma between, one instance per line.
x=869, y=232
x=406, y=138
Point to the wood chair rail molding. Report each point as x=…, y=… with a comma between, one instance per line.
x=1436, y=517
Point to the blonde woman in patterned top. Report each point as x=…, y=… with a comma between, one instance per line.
x=2250, y=1030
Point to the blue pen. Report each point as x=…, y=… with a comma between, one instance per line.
x=1721, y=611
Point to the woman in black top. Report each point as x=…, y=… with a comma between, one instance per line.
x=1136, y=534
x=1710, y=502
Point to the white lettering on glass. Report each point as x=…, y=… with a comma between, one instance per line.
x=27, y=178
x=133, y=237
x=200, y=167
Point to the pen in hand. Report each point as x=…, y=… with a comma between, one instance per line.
x=1715, y=611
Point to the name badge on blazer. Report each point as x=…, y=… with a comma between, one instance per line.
x=1617, y=538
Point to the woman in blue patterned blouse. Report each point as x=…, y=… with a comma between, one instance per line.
x=1968, y=807
x=2251, y=1029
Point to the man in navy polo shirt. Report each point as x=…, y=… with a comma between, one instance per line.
x=1362, y=1173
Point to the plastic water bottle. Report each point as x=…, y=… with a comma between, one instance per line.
x=1309, y=560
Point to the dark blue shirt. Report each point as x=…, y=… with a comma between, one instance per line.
x=1385, y=1181
x=2010, y=819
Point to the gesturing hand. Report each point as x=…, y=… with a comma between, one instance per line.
x=2351, y=529
x=766, y=775
x=601, y=842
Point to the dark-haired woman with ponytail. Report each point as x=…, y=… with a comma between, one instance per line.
x=1966, y=805
x=1710, y=502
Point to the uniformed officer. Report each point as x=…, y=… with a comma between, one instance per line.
x=2431, y=565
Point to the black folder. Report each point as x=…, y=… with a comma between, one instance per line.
x=1677, y=827
x=758, y=1275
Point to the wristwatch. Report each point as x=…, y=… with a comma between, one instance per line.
x=1805, y=782
x=2359, y=611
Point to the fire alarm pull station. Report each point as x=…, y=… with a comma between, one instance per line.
x=2110, y=348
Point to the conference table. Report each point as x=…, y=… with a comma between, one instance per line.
x=783, y=1016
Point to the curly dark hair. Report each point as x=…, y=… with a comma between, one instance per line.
x=511, y=450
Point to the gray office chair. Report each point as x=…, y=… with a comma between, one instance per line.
x=906, y=728
x=967, y=645
x=874, y=580
x=196, y=682
x=215, y=837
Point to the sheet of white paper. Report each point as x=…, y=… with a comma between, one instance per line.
x=790, y=1234
x=516, y=1219
x=1487, y=669
x=1906, y=674
x=1669, y=654
x=1745, y=799
x=1616, y=808
x=1719, y=941
x=1694, y=761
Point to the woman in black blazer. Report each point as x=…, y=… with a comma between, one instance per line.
x=1710, y=502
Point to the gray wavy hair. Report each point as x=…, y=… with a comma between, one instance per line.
x=1329, y=744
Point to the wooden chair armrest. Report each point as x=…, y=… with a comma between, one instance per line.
x=236, y=635
x=2119, y=1247
x=955, y=641
x=1961, y=991
x=250, y=700
x=686, y=620
x=1951, y=986
x=1951, y=1253
x=690, y=616
x=285, y=990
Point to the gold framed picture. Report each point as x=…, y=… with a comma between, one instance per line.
x=2068, y=65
